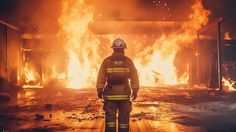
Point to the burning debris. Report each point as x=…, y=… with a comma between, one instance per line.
x=31, y=76
x=230, y=84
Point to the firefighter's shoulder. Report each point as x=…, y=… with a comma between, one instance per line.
x=107, y=59
x=128, y=59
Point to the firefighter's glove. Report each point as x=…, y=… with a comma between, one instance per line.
x=134, y=95
x=100, y=95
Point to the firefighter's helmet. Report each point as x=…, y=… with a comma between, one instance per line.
x=118, y=44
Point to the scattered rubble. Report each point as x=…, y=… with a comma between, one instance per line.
x=80, y=111
x=39, y=117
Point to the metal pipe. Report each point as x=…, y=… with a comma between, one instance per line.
x=198, y=64
x=219, y=49
x=6, y=53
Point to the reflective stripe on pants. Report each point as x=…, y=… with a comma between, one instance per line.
x=110, y=124
x=116, y=97
x=123, y=125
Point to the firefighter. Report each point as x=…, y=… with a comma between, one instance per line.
x=116, y=77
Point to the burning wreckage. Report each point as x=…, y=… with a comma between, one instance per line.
x=186, y=65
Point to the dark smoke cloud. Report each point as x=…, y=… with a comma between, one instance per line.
x=116, y=9
x=8, y=8
x=225, y=9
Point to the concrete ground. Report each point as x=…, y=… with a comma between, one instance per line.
x=161, y=109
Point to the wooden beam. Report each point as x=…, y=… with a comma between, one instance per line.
x=9, y=25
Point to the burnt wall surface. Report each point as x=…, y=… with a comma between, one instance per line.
x=9, y=53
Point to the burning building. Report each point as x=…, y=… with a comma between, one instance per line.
x=68, y=50
x=85, y=43
x=53, y=49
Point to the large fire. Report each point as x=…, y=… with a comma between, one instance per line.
x=155, y=62
x=80, y=43
x=161, y=60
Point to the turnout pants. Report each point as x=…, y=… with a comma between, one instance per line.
x=111, y=107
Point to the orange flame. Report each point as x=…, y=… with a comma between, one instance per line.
x=81, y=45
x=155, y=63
x=227, y=36
x=164, y=49
x=31, y=76
x=30, y=73
x=229, y=84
